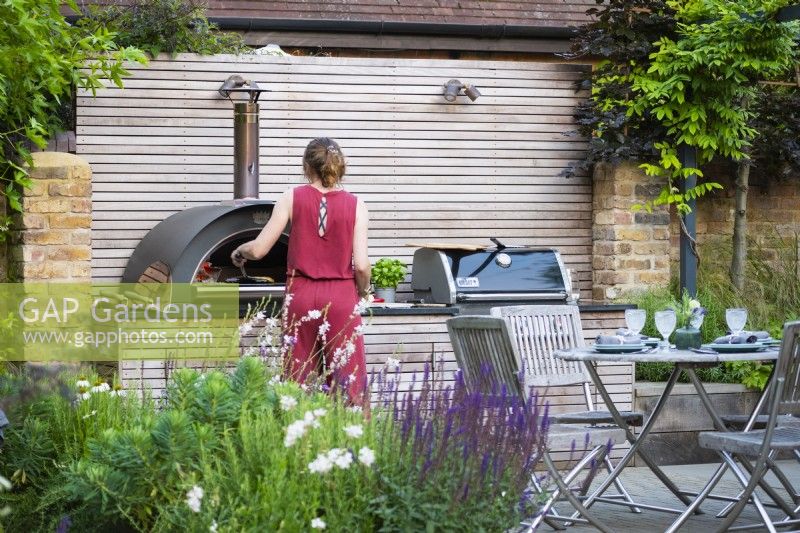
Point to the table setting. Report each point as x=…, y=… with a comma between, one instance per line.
x=686, y=355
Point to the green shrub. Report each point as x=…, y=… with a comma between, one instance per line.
x=771, y=296
x=42, y=60
x=169, y=26
x=243, y=453
x=50, y=428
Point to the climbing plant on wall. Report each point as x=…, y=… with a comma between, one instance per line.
x=42, y=59
x=679, y=73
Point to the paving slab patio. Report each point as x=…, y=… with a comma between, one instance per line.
x=644, y=486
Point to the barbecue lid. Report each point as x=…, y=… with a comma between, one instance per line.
x=501, y=273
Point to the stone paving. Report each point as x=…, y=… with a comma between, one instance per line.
x=644, y=487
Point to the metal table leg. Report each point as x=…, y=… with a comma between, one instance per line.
x=633, y=440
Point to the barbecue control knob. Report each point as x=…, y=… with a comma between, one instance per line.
x=503, y=260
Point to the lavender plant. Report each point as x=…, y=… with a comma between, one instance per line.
x=462, y=458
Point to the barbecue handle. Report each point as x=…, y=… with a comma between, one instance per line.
x=512, y=296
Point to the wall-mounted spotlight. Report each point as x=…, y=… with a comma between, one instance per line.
x=453, y=87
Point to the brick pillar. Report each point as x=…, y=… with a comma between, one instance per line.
x=52, y=238
x=630, y=250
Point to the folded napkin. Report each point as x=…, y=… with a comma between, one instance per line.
x=743, y=338
x=616, y=339
x=760, y=335
x=625, y=332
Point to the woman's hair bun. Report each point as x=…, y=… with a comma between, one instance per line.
x=324, y=158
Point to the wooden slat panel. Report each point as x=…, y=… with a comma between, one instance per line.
x=427, y=168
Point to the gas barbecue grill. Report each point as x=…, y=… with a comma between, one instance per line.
x=474, y=281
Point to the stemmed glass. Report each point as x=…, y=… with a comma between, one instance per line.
x=635, y=319
x=665, y=324
x=736, y=318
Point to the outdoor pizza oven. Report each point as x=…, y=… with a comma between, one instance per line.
x=475, y=280
x=195, y=245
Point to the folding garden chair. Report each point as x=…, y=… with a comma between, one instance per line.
x=484, y=345
x=538, y=331
x=736, y=446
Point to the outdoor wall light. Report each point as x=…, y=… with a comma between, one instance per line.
x=453, y=87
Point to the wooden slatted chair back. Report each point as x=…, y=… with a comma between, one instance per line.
x=485, y=352
x=788, y=368
x=540, y=330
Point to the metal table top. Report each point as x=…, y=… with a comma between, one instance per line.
x=587, y=353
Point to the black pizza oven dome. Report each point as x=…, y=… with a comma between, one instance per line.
x=178, y=246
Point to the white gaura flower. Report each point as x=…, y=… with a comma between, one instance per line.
x=194, y=497
x=392, y=363
x=355, y=409
x=213, y=527
x=324, y=328
x=320, y=412
x=288, y=403
x=320, y=465
x=82, y=384
x=343, y=458
x=361, y=307
x=261, y=315
x=314, y=314
x=359, y=329
x=245, y=328
x=94, y=412
x=366, y=456
x=294, y=432
x=349, y=348
x=272, y=322
x=275, y=379
x=318, y=523
x=355, y=431
x=287, y=300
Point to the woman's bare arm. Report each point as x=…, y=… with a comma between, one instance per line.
x=261, y=245
x=360, y=255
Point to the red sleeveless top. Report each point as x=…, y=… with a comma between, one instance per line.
x=322, y=257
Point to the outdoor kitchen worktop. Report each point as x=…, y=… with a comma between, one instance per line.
x=412, y=309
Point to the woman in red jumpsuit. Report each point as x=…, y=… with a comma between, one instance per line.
x=327, y=270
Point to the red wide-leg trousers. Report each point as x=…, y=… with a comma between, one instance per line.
x=341, y=347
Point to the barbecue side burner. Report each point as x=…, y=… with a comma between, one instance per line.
x=477, y=280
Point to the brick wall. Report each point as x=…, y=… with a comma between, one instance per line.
x=630, y=249
x=773, y=209
x=635, y=250
x=52, y=239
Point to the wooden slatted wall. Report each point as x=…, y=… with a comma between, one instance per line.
x=428, y=169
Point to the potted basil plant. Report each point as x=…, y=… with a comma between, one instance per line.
x=387, y=273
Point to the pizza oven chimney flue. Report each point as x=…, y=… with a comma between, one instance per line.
x=245, y=135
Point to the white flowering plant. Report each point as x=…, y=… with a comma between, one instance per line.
x=688, y=311
x=242, y=441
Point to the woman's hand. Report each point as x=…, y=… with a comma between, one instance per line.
x=238, y=258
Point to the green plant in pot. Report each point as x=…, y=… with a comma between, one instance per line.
x=689, y=314
x=387, y=273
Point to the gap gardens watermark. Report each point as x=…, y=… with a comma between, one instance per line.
x=117, y=321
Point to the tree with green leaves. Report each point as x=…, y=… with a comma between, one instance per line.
x=168, y=26
x=43, y=59
x=681, y=74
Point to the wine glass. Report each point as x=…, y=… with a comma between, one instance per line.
x=665, y=324
x=736, y=318
x=635, y=319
